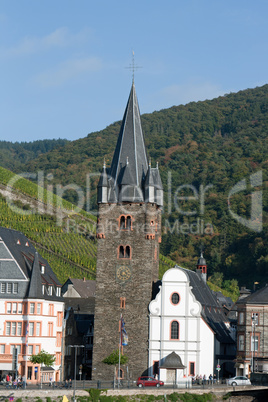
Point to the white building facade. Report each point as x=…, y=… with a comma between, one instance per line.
x=31, y=310
x=177, y=325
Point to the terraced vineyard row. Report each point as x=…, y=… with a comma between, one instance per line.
x=69, y=254
x=24, y=186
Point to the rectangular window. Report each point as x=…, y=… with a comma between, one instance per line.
x=19, y=328
x=254, y=344
x=8, y=328
x=38, y=308
x=12, y=347
x=38, y=329
x=122, y=302
x=58, y=339
x=51, y=309
x=30, y=349
x=9, y=287
x=50, y=290
x=3, y=287
x=15, y=288
x=50, y=329
x=19, y=349
x=19, y=308
x=192, y=368
x=37, y=349
x=58, y=291
x=31, y=308
x=241, y=318
x=57, y=358
x=31, y=328
x=8, y=308
x=29, y=374
x=2, y=349
x=241, y=342
x=14, y=308
x=13, y=328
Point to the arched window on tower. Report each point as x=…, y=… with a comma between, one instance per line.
x=127, y=252
x=124, y=252
x=128, y=222
x=122, y=222
x=174, y=330
x=121, y=252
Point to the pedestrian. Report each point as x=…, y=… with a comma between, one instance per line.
x=66, y=383
x=70, y=383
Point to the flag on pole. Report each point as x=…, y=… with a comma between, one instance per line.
x=27, y=334
x=124, y=337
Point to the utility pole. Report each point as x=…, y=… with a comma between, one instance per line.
x=75, y=362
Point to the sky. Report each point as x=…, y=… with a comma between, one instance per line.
x=65, y=64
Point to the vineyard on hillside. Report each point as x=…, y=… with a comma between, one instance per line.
x=70, y=249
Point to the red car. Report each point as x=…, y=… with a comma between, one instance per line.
x=149, y=382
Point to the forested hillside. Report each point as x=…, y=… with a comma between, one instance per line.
x=13, y=156
x=215, y=143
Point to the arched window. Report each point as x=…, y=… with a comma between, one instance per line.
x=121, y=252
x=125, y=222
x=124, y=252
x=122, y=222
x=128, y=222
x=127, y=252
x=174, y=330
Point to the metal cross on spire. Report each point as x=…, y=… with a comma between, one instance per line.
x=133, y=66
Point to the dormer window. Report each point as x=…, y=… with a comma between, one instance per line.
x=50, y=290
x=58, y=291
x=18, y=242
x=42, y=269
x=27, y=244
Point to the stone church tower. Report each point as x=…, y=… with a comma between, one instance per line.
x=130, y=197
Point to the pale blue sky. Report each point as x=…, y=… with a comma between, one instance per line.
x=63, y=62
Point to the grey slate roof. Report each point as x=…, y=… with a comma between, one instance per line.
x=85, y=287
x=201, y=260
x=19, y=261
x=35, y=286
x=130, y=144
x=258, y=297
x=83, y=306
x=212, y=312
x=172, y=361
x=127, y=174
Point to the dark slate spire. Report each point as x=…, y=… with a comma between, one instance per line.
x=35, y=286
x=130, y=147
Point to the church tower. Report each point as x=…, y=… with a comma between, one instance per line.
x=130, y=198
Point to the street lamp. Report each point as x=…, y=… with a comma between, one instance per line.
x=75, y=358
x=254, y=323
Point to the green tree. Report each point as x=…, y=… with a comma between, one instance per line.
x=113, y=358
x=43, y=358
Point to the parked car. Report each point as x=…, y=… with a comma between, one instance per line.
x=149, y=382
x=238, y=380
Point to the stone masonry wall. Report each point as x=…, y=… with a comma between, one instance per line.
x=143, y=238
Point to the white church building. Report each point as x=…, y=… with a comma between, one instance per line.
x=189, y=333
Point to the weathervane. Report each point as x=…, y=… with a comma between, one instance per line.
x=133, y=66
